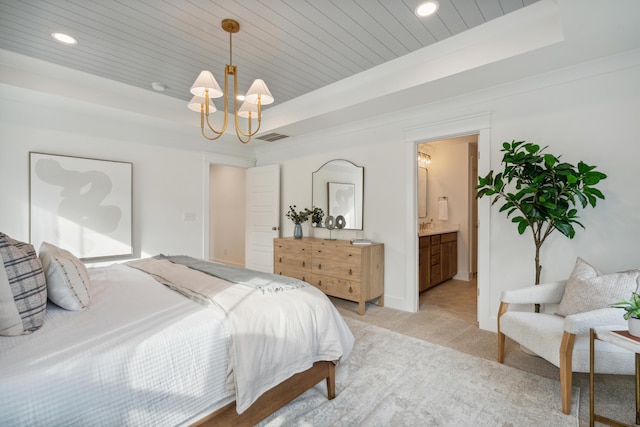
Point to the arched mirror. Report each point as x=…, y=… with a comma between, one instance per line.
x=338, y=188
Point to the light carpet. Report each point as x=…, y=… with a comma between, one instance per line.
x=396, y=380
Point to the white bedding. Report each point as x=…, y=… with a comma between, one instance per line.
x=141, y=354
x=274, y=334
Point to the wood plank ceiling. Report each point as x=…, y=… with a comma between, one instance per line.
x=296, y=46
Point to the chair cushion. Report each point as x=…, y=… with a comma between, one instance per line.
x=542, y=334
x=23, y=290
x=588, y=289
x=68, y=283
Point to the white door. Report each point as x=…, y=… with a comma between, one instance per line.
x=262, y=217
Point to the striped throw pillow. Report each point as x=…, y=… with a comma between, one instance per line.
x=23, y=289
x=68, y=283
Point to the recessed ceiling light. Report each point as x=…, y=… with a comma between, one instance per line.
x=64, y=38
x=158, y=87
x=427, y=8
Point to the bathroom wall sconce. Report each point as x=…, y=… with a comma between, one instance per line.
x=423, y=159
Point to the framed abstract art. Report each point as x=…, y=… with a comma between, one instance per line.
x=80, y=204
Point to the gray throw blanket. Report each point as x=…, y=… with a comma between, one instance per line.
x=265, y=282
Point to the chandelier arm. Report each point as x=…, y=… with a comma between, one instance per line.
x=250, y=134
x=206, y=97
x=202, y=114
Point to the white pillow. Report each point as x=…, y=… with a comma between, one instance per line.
x=68, y=283
x=587, y=289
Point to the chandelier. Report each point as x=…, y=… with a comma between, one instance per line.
x=206, y=87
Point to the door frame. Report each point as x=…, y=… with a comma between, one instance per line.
x=209, y=159
x=479, y=124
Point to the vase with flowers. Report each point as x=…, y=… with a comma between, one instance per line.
x=298, y=217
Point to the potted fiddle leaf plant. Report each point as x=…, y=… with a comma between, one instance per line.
x=540, y=192
x=298, y=217
x=632, y=313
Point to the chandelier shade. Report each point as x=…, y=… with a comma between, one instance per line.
x=198, y=102
x=247, y=108
x=206, y=81
x=259, y=89
x=205, y=88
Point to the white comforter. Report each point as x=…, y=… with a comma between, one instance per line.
x=140, y=355
x=274, y=334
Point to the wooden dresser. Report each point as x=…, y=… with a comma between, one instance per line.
x=336, y=267
x=438, y=259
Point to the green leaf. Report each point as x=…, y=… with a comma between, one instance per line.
x=532, y=148
x=550, y=160
x=522, y=226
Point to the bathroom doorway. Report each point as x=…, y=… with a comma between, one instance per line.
x=452, y=170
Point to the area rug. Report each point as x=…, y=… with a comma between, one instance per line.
x=396, y=380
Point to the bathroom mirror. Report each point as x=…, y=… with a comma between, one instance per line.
x=422, y=192
x=338, y=188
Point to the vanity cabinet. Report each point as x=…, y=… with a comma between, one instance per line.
x=438, y=259
x=336, y=267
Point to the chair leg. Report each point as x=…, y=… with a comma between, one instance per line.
x=566, y=357
x=501, y=337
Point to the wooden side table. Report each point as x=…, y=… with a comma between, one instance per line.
x=606, y=334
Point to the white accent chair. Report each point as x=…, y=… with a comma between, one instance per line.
x=562, y=341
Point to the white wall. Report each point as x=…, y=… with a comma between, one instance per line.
x=593, y=117
x=167, y=182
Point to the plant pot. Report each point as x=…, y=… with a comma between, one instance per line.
x=634, y=326
x=297, y=231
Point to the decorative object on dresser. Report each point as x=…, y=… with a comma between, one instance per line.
x=330, y=224
x=316, y=216
x=298, y=218
x=336, y=267
x=438, y=259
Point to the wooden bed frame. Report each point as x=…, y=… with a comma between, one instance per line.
x=275, y=398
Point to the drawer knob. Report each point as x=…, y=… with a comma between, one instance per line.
x=303, y=264
x=350, y=272
x=319, y=266
x=319, y=282
x=350, y=290
x=280, y=260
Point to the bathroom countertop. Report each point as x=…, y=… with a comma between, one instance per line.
x=439, y=230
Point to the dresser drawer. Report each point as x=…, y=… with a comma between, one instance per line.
x=291, y=261
x=293, y=255
x=337, y=287
x=341, y=269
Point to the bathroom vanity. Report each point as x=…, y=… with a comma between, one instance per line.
x=438, y=256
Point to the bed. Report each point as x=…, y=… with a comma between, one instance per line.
x=159, y=342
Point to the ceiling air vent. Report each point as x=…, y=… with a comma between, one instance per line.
x=270, y=137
